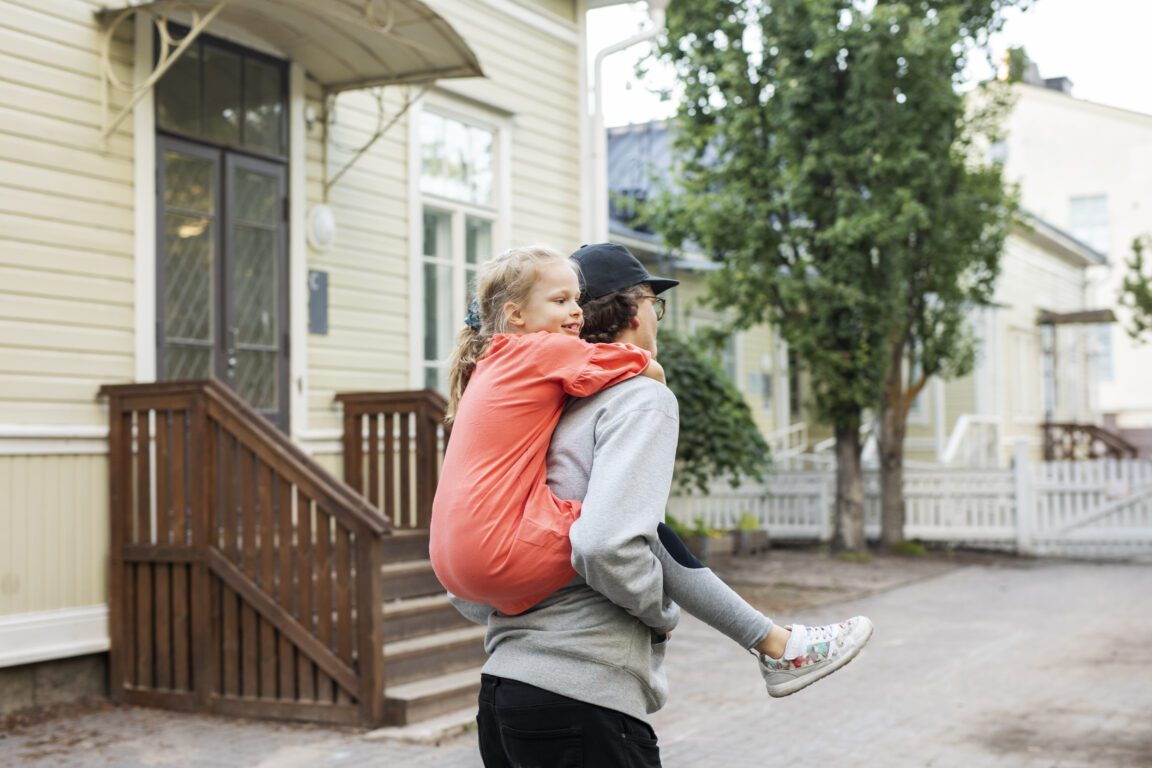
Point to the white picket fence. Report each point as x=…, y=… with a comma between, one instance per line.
x=1073, y=509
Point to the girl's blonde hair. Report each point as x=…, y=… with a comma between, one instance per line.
x=507, y=278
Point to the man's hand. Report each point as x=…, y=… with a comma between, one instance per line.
x=655, y=371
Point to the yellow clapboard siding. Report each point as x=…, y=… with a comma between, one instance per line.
x=62, y=132
x=45, y=388
x=48, y=258
x=91, y=365
x=77, y=29
x=50, y=81
x=54, y=511
x=43, y=309
x=95, y=213
x=63, y=234
x=70, y=414
x=61, y=337
x=64, y=184
x=63, y=56
x=83, y=157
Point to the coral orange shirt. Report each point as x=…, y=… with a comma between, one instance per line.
x=499, y=536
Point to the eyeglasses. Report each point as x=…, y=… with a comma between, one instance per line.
x=657, y=306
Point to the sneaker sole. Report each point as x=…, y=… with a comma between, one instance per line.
x=800, y=683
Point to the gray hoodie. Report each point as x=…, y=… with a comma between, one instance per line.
x=601, y=638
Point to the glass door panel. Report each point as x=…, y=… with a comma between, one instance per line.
x=256, y=296
x=188, y=264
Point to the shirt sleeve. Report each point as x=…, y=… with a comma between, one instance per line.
x=627, y=493
x=584, y=369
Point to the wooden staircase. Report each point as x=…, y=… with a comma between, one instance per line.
x=393, y=443
x=432, y=654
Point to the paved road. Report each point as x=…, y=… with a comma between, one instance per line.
x=1041, y=664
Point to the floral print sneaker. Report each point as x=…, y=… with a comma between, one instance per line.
x=813, y=653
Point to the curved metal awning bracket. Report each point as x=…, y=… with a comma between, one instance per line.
x=382, y=128
x=170, y=52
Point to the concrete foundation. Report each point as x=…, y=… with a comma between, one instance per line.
x=61, y=681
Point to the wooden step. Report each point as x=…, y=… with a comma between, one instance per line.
x=419, y=616
x=432, y=697
x=410, y=578
x=419, y=658
x=405, y=544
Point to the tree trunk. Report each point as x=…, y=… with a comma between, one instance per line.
x=893, y=423
x=848, y=530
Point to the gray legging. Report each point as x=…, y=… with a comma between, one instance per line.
x=701, y=593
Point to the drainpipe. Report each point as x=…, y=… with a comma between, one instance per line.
x=656, y=12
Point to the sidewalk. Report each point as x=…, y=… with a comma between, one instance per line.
x=984, y=662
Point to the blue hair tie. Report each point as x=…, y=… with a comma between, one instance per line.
x=472, y=319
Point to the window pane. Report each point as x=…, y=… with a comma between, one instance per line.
x=257, y=197
x=188, y=266
x=255, y=285
x=438, y=314
x=188, y=183
x=221, y=95
x=186, y=361
x=457, y=159
x=480, y=182
x=437, y=235
x=178, y=94
x=1089, y=221
x=478, y=241
x=256, y=378
x=435, y=378
x=263, y=107
x=432, y=154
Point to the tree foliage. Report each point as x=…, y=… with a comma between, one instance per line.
x=718, y=436
x=821, y=163
x=1136, y=290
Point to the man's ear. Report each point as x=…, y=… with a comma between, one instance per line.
x=513, y=315
x=634, y=322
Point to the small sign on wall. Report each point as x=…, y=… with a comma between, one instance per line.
x=317, y=302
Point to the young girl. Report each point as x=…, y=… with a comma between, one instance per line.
x=499, y=537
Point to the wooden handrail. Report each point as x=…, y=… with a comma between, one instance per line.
x=391, y=439
x=227, y=405
x=1069, y=440
x=244, y=577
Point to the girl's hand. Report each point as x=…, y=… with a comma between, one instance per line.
x=655, y=371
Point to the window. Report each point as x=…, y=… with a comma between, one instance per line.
x=1088, y=220
x=458, y=189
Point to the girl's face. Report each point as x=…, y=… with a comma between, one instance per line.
x=551, y=304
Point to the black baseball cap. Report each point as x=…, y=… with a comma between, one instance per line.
x=609, y=267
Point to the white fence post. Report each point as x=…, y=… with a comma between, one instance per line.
x=1025, y=498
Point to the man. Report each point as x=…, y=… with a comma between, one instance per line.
x=570, y=681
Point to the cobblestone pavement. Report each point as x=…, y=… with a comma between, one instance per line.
x=987, y=663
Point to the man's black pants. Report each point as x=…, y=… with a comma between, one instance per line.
x=522, y=726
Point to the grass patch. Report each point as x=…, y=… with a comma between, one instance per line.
x=909, y=549
x=854, y=557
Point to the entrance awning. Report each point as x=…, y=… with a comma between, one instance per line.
x=342, y=44
x=1083, y=317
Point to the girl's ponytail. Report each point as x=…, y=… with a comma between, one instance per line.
x=470, y=346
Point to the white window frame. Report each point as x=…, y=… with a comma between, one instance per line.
x=498, y=213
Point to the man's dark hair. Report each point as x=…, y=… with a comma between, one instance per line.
x=607, y=316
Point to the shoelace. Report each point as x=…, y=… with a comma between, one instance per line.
x=820, y=634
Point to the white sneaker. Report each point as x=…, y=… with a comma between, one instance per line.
x=813, y=653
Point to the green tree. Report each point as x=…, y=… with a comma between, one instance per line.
x=1136, y=290
x=718, y=436
x=810, y=142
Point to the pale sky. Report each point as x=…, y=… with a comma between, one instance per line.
x=1100, y=45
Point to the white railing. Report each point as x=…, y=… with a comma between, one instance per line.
x=1088, y=508
x=789, y=441
x=974, y=442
